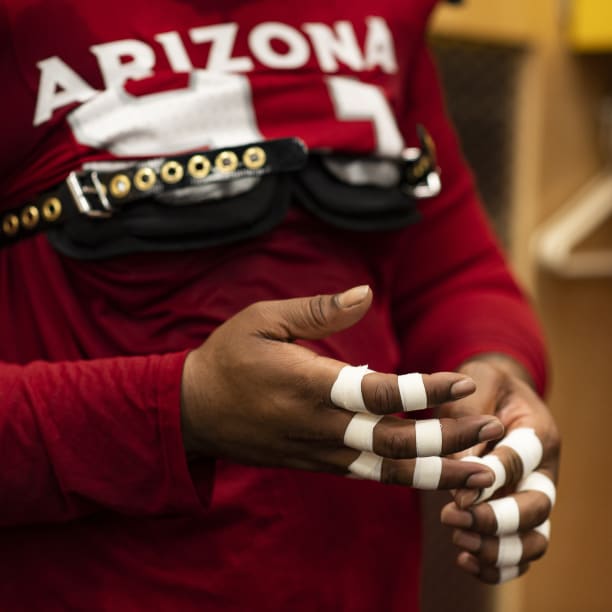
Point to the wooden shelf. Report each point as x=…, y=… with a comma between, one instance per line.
x=516, y=22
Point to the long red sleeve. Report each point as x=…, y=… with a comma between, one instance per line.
x=454, y=294
x=79, y=437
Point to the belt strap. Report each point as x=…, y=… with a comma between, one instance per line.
x=100, y=194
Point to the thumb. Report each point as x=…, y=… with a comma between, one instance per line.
x=311, y=318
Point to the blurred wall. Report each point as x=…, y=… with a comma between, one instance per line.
x=553, y=94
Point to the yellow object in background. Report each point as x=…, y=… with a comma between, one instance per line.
x=590, y=25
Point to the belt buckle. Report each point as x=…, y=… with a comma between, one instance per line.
x=80, y=192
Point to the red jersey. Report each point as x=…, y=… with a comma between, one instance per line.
x=99, y=509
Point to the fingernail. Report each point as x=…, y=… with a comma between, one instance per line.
x=462, y=387
x=468, y=540
x=480, y=480
x=352, y=297
x=468, y=563
x=491, y=431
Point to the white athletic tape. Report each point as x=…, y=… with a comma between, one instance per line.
x=346, y=390
x=359, y=433
x=367, y=466
x=499, y=470
x=508, y=573
x=427, y=472
x=412, y=391
x=507, y=514
x=510, y=551
x=536, y=481
x=544, y=529
x=526, y=444
x=428, y=437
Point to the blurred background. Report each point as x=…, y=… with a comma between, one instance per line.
x=529, y=86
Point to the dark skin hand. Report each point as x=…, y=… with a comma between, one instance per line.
x=252, y=395
x=503, y=389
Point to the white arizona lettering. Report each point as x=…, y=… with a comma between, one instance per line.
x=330, y=46
x=59, y=86
x=379, y=48
x=175, y=51
x=127, y=59
x=260, y=43
x=222, y=38
x=115, y=70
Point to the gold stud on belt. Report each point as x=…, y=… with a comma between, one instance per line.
x=30, y=217
x=198, y=166
x=144, y=179
x=10, y=225
x=172, y=172
x=226, y=161
x=254, y=158
x=51, y=210
x=120, y=186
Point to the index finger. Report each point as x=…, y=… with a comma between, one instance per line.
x=359, y=389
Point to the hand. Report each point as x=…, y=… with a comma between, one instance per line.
x=252, y=395
x=501, y=391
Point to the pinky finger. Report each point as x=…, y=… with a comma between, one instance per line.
x=426, y=473
x=488, y=573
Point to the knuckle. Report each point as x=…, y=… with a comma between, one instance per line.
x=436, y=393
x=382, y=398
x=514, y=467
x=395, y=446
x=389, y=473
x=317, y=310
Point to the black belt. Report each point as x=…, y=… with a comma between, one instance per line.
x=100, y=194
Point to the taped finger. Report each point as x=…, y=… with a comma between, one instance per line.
x=397, y=438
x=522, y=444
x=359, y=433
x=367, y=466
x=412, y=392
x=346, y=390
x=508, y=573
x=430, y=473
x=487, y=573
x=509, y=551
x=505, y=516
x=505, y=551
x=538, y=481
x=526, y=444
x=406, y=392
x=428, y=437
x=499, y=470
x=427, y=473
x=359, y=389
